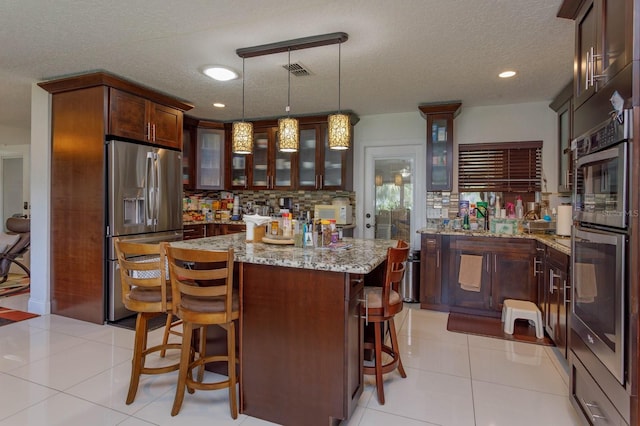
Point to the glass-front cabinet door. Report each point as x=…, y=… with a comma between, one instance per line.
x=307, y=169
x=260, y=164
x=333, y=177
x=282, y=176
x=440, y=144
x=210, y=156
x=239, y=171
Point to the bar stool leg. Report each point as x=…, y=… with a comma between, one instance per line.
x=378, y=359
x=185, y=358
x=139, y=346
x=395, y=347
x=231, y=366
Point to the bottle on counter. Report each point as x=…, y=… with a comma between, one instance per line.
x=519, y=208
x=465, y=222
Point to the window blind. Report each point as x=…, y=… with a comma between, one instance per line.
x=500, y=167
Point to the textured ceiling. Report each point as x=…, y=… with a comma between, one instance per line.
x=399, y=54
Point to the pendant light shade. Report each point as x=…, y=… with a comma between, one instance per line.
x=241, y=131
x=397, y=179
x=242, y=134
x=288, y=130
x=288, y=134
x=378, y=180
x=339, y=126
x=339, y=131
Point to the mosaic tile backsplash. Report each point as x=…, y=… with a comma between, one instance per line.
x=305, y=199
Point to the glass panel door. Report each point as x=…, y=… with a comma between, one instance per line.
x=209, y=170
x=282, y=173
x=332, y=165
x=394, y=198
x=439, y=173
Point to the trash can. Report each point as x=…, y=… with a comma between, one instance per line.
x=410, y=290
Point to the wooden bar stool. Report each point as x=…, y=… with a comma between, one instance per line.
x=382, y=303
x=203, y=294
x=144, y=290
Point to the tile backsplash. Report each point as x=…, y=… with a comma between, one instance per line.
x=305, y=199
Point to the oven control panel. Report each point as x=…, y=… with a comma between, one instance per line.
x=611, y=132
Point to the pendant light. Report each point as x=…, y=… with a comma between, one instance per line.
x=339, y=127
x=288, y=132
x=241, y=131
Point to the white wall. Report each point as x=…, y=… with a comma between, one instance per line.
x=13, y=136
x=505, y=123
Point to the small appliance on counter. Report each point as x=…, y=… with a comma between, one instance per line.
x=342, y=214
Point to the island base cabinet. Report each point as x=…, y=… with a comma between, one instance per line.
x=301, y=344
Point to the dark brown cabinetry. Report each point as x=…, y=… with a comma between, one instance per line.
x=314, y=333
x=433, y=294
x=563, y=106
x=203, y=154
x=80, y=122
x=192, y=231
x=313, y=167
x=507, y=272
x=556, y=291
x=134, y=117
x=440, y=144
x=603, y=42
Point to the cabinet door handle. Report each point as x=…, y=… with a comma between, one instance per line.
x=495, y=263
x=565, y=287
x=321, y=182
x=536, y=262
x=153, y=130
x=148, y=135
x=586, y=80
x=316, y=182
x=486, y=263
x=438, y=259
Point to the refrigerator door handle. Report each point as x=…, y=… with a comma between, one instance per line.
x=156, y=185
x=149, y=189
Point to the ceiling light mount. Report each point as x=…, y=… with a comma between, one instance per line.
x=295, y=44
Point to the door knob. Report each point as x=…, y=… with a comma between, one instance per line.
x=368, y=225
x=368, y=215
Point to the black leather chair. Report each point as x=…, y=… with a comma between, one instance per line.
x=20, y=227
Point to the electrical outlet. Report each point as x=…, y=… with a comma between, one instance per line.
x=296, y=206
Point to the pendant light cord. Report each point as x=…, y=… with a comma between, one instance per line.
x=243, y=74
x=339, y=68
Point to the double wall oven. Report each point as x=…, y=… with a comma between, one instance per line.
x=599, y=263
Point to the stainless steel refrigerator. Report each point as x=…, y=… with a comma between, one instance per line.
x=144, y=187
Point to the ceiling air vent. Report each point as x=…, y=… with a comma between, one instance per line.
x=297, y=69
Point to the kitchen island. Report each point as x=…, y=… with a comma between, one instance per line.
x=300, y=332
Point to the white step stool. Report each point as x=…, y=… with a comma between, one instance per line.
x=521, y=309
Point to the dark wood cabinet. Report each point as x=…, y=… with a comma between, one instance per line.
x=135, y=117
x=192, y=231
x=557, y=290
x=433, y=292
x=604, y=41
x=313, y=167
x=440, y=144
x=80, y=122
x=507, y=272
x=203, y=160
x=563, y=106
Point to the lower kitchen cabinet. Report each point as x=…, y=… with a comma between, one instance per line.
x=192, y=231
x=556, y=290
x=433, y=293
x=506, y=272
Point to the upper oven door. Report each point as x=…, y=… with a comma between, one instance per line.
x=601, y=187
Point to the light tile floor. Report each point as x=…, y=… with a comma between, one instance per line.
x=59, y=371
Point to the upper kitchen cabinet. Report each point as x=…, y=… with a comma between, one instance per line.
x=269, y=168
x=203, y=154
x=563, y=106
x=134, y=117
x=320, y=167
x=313, y=167
x=439, y=118
x=604, y=41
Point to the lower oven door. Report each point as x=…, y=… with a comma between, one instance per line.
x=599, y=295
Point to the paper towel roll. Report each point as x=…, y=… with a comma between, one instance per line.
x=564, y=221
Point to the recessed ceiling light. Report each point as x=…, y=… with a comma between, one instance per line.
x=219, y=105
x=220, y=73
x=507, y=74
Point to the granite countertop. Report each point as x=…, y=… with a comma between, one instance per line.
x=361, y=258
x=562, y=244
x=215, y=221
